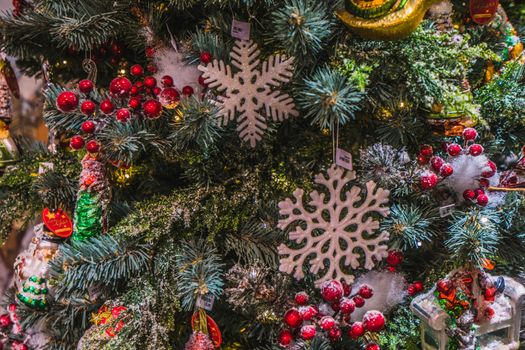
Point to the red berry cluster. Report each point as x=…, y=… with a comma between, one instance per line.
x=394, y=259
x=415, y=288
x=111, y=52
x=330, y=319
x=9, y=326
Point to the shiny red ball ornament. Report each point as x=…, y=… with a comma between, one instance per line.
x=205, y=57
x=446, y=170
x=292, y=318
x=85, y=86
x=67, y=101
x=422, y=160
x=123, y=115
x=482, y=200
x=469, y=195
x=88, y=107
x=169, y=96
x=136, y=70
x=106, y=106
x=419, y=286
x=88, y=127
x=92, y=146
x=157, y=90
x=166, y=81
x=187, y=91
x=489, y=170
x=475, y=149
x=347, y=306
x=120, y=86
x=394, y=257
x=358, y=301
x=366, y=292
x=5, y=321
x=301, y=298
x=134, y=91
x=308, y=332
x=454, y=149
x=76, y=142
x=202, y=82
x=426, y=151
x=356, y=330
x=335, y=334
x=152, y=109
x=285, y=337
x=134, y=102
x=152, y=68
x=411, y=290
x=436, y=163
x=150, y=82
x=470, y=134
x=150, y=51
x=332, y=291
x=327, y=323
x=372, y=346
x=374, y=321
x=308, y=312
x=428, y=180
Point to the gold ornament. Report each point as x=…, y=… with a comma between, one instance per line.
x=397, y=24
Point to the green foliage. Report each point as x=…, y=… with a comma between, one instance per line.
x=402, y=330
x=88, y=216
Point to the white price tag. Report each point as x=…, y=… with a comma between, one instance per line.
x=343, y=159
x=205, y=302
x=45, y=166
x=240, y=30
x=446, y=210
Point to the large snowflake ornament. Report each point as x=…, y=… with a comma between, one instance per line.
x=250, y=90
x=333, y=233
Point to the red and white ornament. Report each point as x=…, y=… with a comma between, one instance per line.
x=374, y=321
x=332, y=290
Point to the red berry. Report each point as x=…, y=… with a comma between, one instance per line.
x=88, y=127
x=489, y=170
x=67, y=101
x=292, y=318
x=166, y=81
x=85, y=86
x=134, y=102
x=205, y=57
x=12, y=307
x=482, y=200
x=327, y=323
x=332, y=291
x=301, y=298
x=475, y=149
x=479, y=192
x=347, y=289
x=426, y=151
x=150, y=82
x=150, y=51
x=136, y=70
x=436, y=163
x=88, y=107
x=419, y=286
x=106, y=106
x=422, y=160
x=347, y=306
x=372, y=346
x=120, y=86
x=484, y=183
x=76, y=142
x=308, y=312
x=285, y=337
x=411, y=290
x=428, y=180
x=394, y=258
x=152, y=109
x=123, y=115
x=335, y=334
x=134, y=91
x=92, y=146
x=374, y=321
x=5, y=321
x=358, y=301
x=356, y=330
x=469, y=195
x=470, y=134
x=446, y=170
x=366, y=292
x=454, y=149
x=139, y=85
x=152, y=68
x=187, y=91
x=308, y=332
x=202, y=81
x=156, y=90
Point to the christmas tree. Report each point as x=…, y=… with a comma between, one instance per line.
x=266, y=174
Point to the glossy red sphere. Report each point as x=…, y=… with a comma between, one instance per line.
x=120, y=86
x=470, y=134
x=374, y=321
x=205, y=57
x=285, y=337
x=394, y=258
x=482, y=200
x=76, y=142
x=92, y=146
x=327, y=323
x=5, y=321
x=332, y=291
x=123, y=115
x=426, y=151
x=428, y=180
x=359, y=301
x=152, y=108
x=150, y=51
x=301, y=298
x=187, y=91
x=366, y=291
x=88, y=127
x=85, y=86
x=169, y=96
x=308, y=332
x=67, y=101
x=436, y=163
x=134, y=102
x=446, y=170
x=150, y=82
x=292, y=318
x=454, y=149
x=347, y=306
x=475, y=149
x=167, y=81
x=136, y=70
x=469, y=195
x=88, y=107
x=356, y=330
x=106, y=106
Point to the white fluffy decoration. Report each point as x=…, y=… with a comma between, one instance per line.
x=389, y=291
x=171, y=62
x=252, y=89
x=319, y=228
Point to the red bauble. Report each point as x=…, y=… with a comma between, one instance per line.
x=88, y=127
x=490, y=169
x=166, y=81
x=308, y=332
x=446, y=170
x=152, y=68
x=88, y=107
x=374, y=321
x=347, y=306
x=482, y=200
x=123, y=115
x=426, y=151
x=327, y=323
x=454, y=149
x=85, y=86
x=136, y=70
x=106, y=106
x=470, y=134
x=12, y=307
x=347, y=289
x=22, y=347
x=366, y=292
x=372, y=346
x=332, y=291
x=134, y=91
x=484, y=183
x=419, y=286
x=292, y=318
x=5, y=321
x=356, y=330
x=156, y=90
x=150, y=82
x=152, y=108
x=436, y=163
x=335, y=334
x=92, y=146
x=428, y=180
x=67, y=101
x=358, y=301
x=134, y=102
x=139, y=85
x=443, y=286
x=150, y=51
x=411, y=290
x=394, y=258
x=202, y=81
x=301, y=298
x=169, y=96
x=285, y=337
x=120, y=86
x=308, y=312
x=469, y=195
x=475, y=149
x=205, y=57
x=187, y=91
x=76, y=142
x=422, y=160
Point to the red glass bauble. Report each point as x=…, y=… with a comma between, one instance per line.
x=123, y=115
x=446, y=170
x=136, y=70
x=106, y=106
x=292, y=318
x=428, y=180
x=285, y=337
x=152, y=68
x=308, y=332
x=347, y=306
x=374, y=321
x=484, y=182
x=76, y=142
x=92, y=146
x=152, y=108
x=372, y=346
x=156, y=90
x=422, y=160
x=436, y=163
x=327, y=323
x=150, y=82
x=426, y=151
x=5, y=321
x=394, y=258
x=88, y=107
x=67, y=101
x=166, y=81
x=88, y=127
x=335, y=334
x=470, y=134
x=134, y=102
x=366, y=291
x=205, y=57
x=187, y=91
x=169, y=96
x=308, y=312
x=134, y=91
x=120, y=86
x=469, y=195
x=454, y=149
x=332, y=291
x=85, y=86
x=347, y=289
x=301, y=298
x=356, y=330
x=419, y=286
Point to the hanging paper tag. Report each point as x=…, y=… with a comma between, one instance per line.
x=58, y=222
x=205, y=302
x=483, y=11
x=45, y=166
x=446, y=210
x=343, y=159
x=240, y=30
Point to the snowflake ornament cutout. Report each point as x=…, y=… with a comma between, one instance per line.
x=333, y=233
x=249, y=91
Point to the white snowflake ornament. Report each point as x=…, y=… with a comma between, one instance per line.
x=333, y=233
x=250, y=90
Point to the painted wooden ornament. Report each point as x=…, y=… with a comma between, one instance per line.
x=58, y=222
x=483, y=11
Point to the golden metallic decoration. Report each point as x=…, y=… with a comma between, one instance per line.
x=393, y=26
